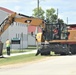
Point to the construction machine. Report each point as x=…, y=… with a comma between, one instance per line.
x=55, y=38
x=58, y=38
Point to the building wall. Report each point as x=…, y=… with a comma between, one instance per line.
x=3, y=15
x=4, y=36
x=31, y=40
x=16, y=30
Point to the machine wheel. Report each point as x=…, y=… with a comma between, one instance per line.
x=73, y=48
x=45, y=52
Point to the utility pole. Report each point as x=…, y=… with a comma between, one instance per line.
x=38, y=7
x=57, y=14
x=38, y=17
x=67, y=20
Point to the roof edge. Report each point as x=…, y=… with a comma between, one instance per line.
x=6, y=10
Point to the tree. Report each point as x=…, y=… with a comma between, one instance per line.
x=51, y=17
x=60, y=21
x=39, y=14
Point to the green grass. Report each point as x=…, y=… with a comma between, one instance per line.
x=19, y=59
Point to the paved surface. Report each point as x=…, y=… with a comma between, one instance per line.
x=15, y=54
x=61, y=65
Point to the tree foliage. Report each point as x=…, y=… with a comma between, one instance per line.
x=60, y=21
x=39, y=13
x=51, y=16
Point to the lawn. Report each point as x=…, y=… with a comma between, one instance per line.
x=19, y=59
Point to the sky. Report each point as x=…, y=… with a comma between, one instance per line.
x=66, y=8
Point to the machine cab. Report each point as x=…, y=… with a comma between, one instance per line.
x=55, y=32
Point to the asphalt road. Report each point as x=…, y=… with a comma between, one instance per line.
x=61, y=65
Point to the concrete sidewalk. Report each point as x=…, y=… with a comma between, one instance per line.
x=16, y=54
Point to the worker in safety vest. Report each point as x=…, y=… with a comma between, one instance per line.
x=8, y=43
